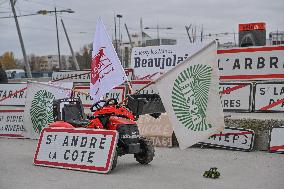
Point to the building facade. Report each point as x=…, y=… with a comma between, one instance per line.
x=276, y=38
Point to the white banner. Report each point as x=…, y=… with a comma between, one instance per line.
x=82, y=76
x=138, y=84
x=236, y=96
x=253, y=63
x=152, y=61
x=232, y=138
x=269, y=97
x=87, y=101
x=106, y=69
x=79, y=149
x=39, y=104
x=13, y=94
x=73, y=76
x=12, y=123
x=190, y=94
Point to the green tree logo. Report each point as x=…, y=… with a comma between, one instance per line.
x=41, y=110
x=190, y=97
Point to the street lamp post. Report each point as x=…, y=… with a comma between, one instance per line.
x=44, y=12
x=119, y=16
x=115, y=37
x=158, y=28
x=57, y=37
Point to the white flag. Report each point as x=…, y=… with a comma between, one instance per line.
x=39, y=104
x=106, y=69
x=190, y=94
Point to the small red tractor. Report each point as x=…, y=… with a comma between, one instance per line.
x=109, y=115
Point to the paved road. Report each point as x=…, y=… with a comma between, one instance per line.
x=171, y=168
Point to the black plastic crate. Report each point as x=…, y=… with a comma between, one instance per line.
x=140, y=104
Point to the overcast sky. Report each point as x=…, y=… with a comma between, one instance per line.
x=216, y=16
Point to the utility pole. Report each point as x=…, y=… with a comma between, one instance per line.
x=58, y=46
x=128, y=36
x=141, y=30
x=44, y=12
x=71, y=49
x=28, y=69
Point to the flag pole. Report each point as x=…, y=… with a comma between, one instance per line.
x=150, y=83
x=129, y=84
x=72, y=90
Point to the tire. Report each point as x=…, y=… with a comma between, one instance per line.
x=114, y=160
x=148, y=152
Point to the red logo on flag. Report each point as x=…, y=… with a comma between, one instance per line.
x=101, y=66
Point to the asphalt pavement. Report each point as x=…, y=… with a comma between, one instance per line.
x=171, y=168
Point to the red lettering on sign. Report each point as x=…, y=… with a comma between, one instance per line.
x=252, y=26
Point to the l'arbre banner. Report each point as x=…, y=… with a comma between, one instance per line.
x=39, y=104
x=190, y=94
x=252, y=63
x=78, y=149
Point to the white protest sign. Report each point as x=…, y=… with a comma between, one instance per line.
x=232, y=138
x=78, y=149
x=39, y=104
x=236, y=96
x=87, y=101
x=75, y=76
x=138, y=84
x=12, y=123
x=152, y=61
x=158, y=130
x=13, y=94
x=276, y=143
x=269, y=97
x=82, y=76
x=252, y=63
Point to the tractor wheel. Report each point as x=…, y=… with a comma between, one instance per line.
x=114, y=160
x=147, y=151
